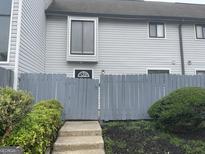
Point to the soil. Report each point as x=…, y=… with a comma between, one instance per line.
x=139, y=138
x=198, y=135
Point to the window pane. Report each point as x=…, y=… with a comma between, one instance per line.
x=158, y=71
x=88, y=37
x=199, y=32
x=153, y=30
x=4, y=37
x=200, y=72
x=160, y=30
x=76, y=37
x=5, y=7
x=203, y=32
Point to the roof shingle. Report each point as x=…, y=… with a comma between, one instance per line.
x=130, y=8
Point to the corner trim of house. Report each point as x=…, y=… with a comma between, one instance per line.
x=16, y=68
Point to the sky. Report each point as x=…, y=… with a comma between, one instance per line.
x=183, y=1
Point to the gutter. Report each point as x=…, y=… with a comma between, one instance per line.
x=181, y=49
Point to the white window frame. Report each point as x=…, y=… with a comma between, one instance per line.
x=160, y=69
x=198, y=69
x=9, y=41
x=83, y=69
x=93, y=19
x=148, y=31
x=195, y=31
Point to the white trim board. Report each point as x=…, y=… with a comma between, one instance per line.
x=16, y=69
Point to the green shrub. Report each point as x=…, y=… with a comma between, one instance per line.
x=181, y=111
x=38, y=129
x=14, y=105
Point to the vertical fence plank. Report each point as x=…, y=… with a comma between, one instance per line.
x=6, y=77
x=122, y=97
x=129, y=97
x=79, y=97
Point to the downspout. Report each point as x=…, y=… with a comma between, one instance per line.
x=181, y=49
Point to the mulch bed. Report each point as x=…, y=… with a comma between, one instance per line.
x=140, y=138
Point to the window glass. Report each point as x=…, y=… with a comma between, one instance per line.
x=158, y=71
x=153, y=30
x=76, y=37
x=5, y=7
x=160, y=30
x=200, y=72
x=82, y=37
x=199, y=32
x=5, y=11
x=88, y=37
x=4, y=37
x=83, y=74
x=156, y=30
x=203, y=31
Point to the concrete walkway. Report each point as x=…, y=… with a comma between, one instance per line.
x=79, y=137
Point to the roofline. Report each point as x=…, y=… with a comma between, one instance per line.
x=139, y=17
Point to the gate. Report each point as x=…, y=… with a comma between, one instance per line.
x=79, y=97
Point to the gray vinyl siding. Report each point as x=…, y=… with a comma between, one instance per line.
x=13, y=35
x=194, y=50
x=32, y=39
x=124, y=47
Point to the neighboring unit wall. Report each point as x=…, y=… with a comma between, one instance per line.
x=194, y=50
x=32, y=39
x=124, y=47
x=13, y=35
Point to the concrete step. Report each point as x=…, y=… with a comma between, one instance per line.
x=94, y=151
x=74, y=143
x=80, y=128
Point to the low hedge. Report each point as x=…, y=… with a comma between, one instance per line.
x=36, y=132
x=14, y=105
x=181, y=111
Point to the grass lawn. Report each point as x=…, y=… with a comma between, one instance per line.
x=143, y=137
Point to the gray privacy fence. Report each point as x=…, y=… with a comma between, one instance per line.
x=6, y=77
x=128, y=97
x=122, y=97
x=79, y=97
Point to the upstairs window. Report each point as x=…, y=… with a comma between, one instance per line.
x=82, y=37
x=156, y=30
x=200, y=31
x=5, y=12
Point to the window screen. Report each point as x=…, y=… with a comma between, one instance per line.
x=156, y=30
x=82, y=37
